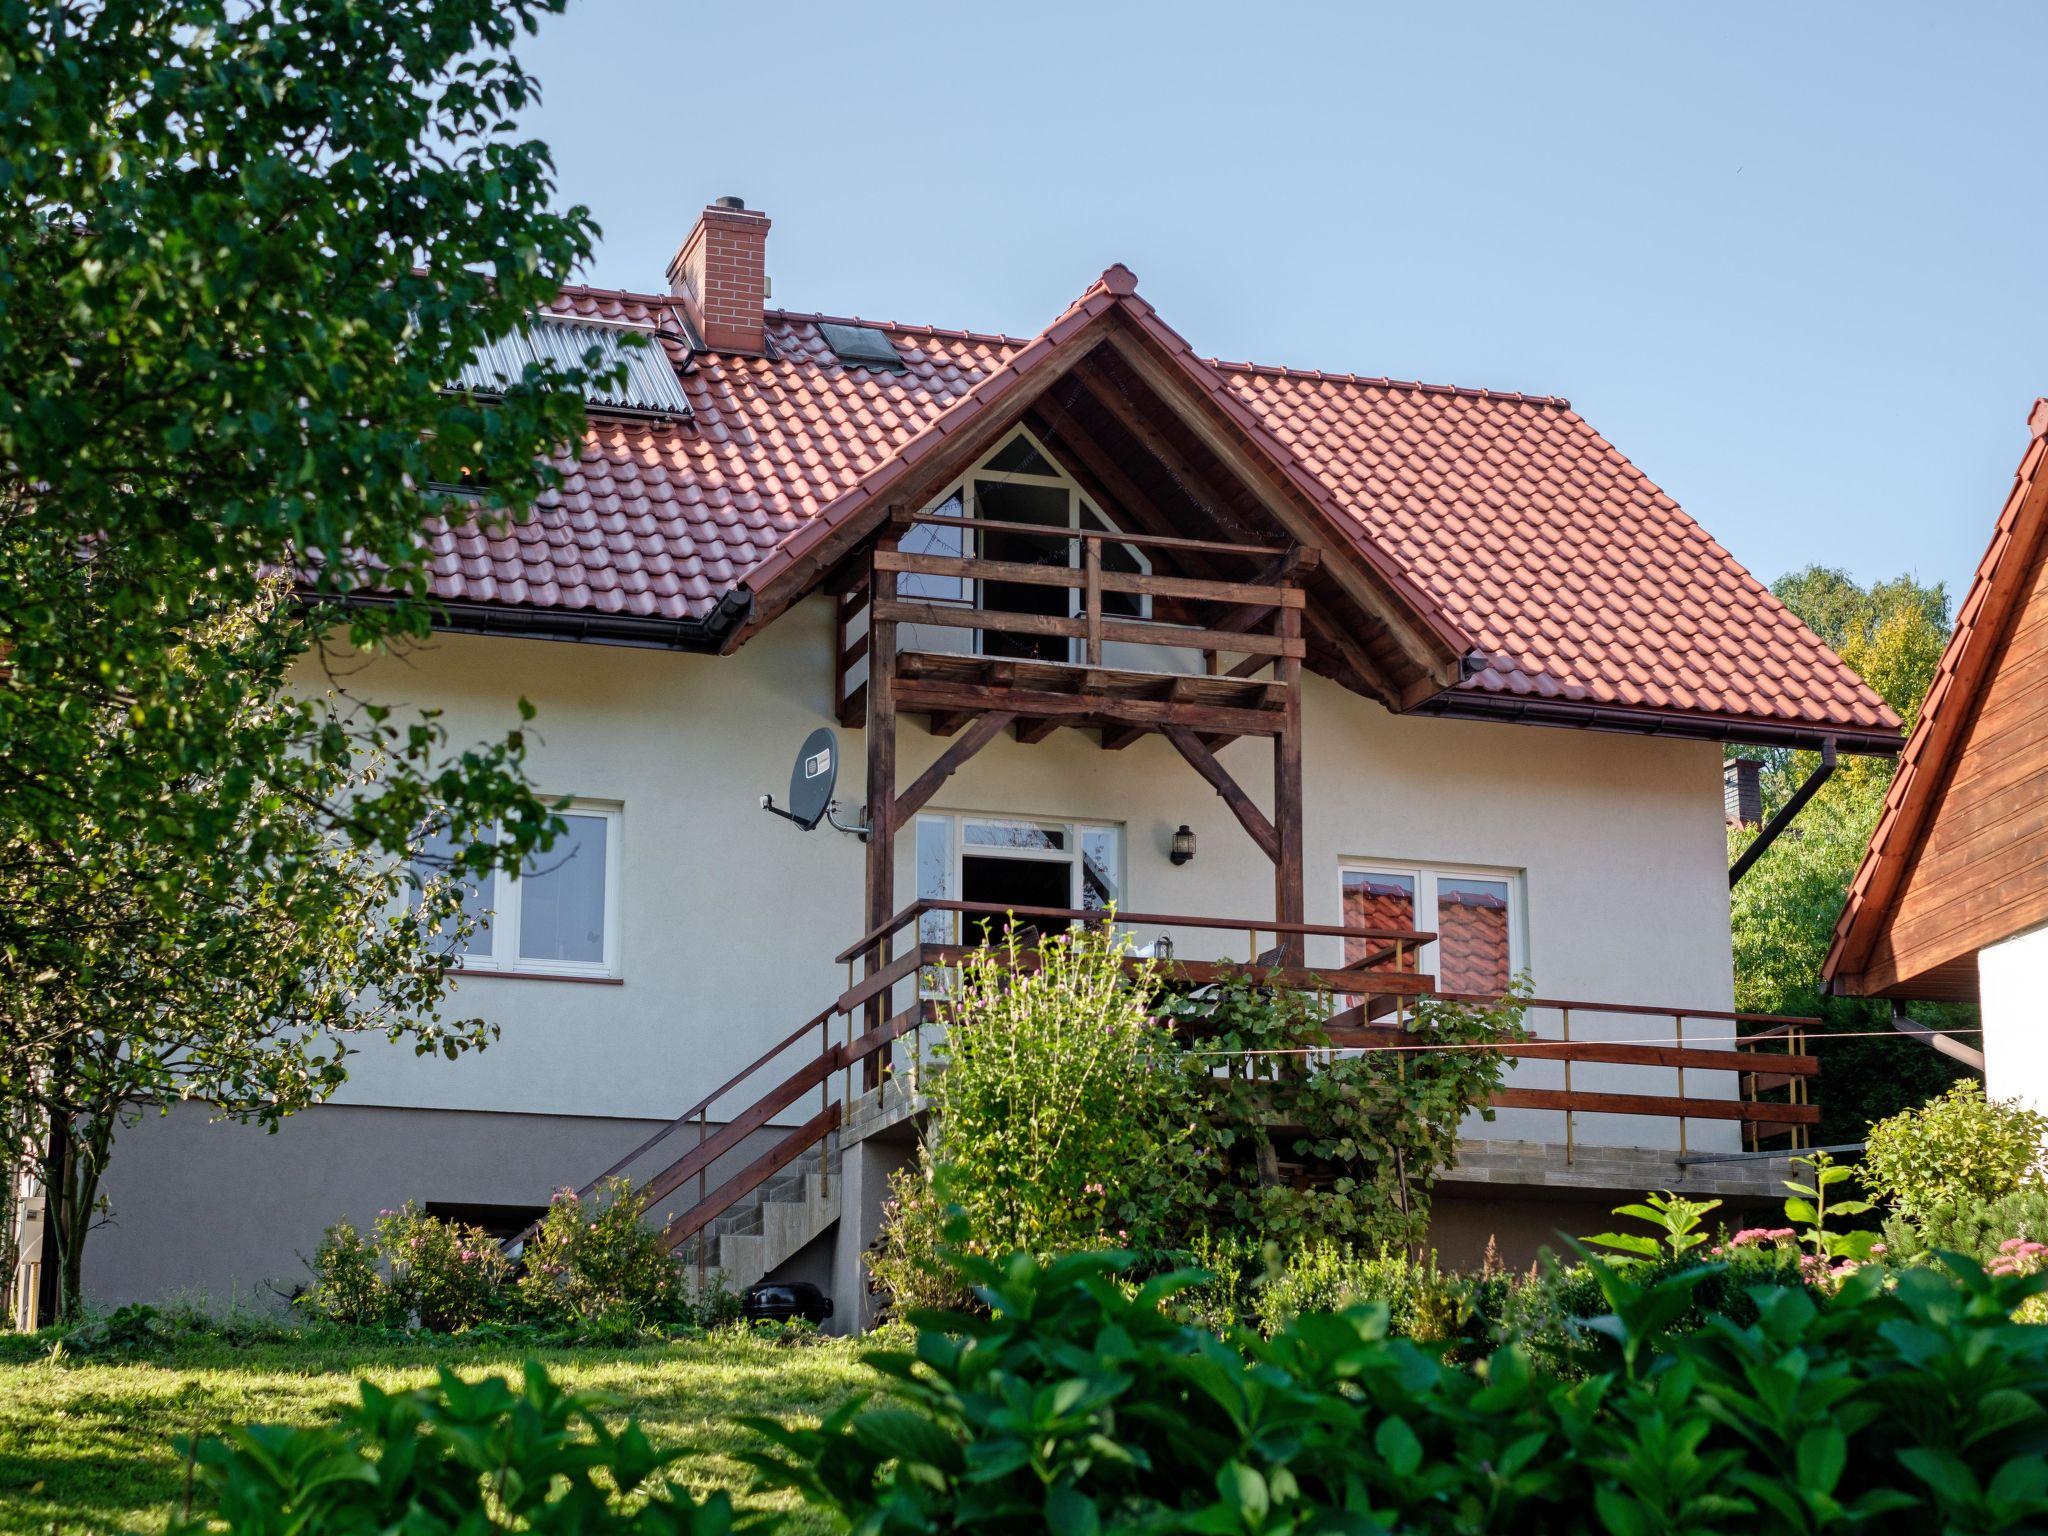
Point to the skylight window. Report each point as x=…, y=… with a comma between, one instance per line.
x=862, y=346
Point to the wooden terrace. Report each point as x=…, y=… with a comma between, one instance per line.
x=873, y=1033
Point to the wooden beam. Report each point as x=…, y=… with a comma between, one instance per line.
x=881, y=743
x=1261, y=596
x=1116, y=740
x=1289, y=891
x=1652, y=1104
x=1032, y=732
x=1249, y=816
x=853, y=709
x=984, y=730
x=1153, y=714
x=1127, y=631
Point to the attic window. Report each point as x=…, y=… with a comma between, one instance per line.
x=862, y=346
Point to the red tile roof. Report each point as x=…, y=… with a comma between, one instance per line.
x=1509, y=521
x=1965, y=670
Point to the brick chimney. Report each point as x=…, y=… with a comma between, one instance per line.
x=1742, y=791
x=721, y=273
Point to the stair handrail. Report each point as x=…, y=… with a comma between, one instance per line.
x=822, y=1019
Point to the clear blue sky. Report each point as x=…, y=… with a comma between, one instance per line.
x=1789, y=258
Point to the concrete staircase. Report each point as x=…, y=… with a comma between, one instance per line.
x=770, y=1225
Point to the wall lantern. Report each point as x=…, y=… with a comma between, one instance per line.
x=1183, y=845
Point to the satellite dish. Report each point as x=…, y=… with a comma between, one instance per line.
x=811, y=781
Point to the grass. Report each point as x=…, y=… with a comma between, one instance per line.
x=87, y=1445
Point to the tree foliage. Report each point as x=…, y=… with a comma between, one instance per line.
x=1785, y=909
x=244, y=248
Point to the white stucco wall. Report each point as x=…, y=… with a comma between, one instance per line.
x=2012, y=987
x=730, y=917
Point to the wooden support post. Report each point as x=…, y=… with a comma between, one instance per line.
x=1091, y=562
x=984, y=730
x=1289, y=897
x=881, y=882
x=1249, y=816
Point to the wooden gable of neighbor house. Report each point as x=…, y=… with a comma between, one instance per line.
x=1960, y=861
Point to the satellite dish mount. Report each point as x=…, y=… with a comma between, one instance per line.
x=811, y=783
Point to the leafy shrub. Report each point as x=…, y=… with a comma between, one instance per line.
x=469, y=1457
x=348, y=1285
x=600, y=1263
x=1074, y=1404
x=443, y=1274
x=1079, y=1105
x=1957, y=1148
x=1972, y=1227
x=903, y=1264
x=1267, y=1286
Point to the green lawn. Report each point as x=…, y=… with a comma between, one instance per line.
x=86, y=1446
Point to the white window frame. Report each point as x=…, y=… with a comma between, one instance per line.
x=1072, y=855
x=502, y=912
x=1078, y=501
x=1425, y=877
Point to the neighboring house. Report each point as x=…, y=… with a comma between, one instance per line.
x=1951, y=901
x=1442, y=661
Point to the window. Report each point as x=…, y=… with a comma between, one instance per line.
x=1475, y=915
x=863, y=346
x=560, y=917
x=1013, y=863
x=1019, y=484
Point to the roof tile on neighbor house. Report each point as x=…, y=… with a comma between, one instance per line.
x=1579, y=579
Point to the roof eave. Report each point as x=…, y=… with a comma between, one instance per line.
x=1697, y=725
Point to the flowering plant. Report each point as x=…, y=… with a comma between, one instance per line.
x=600, y=1260
x=445, y=1275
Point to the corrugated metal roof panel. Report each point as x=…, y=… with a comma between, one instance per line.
x=650, y=381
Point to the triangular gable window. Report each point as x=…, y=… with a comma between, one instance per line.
x=1022, y=488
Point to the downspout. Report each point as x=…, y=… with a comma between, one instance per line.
x=1786, y=812
x=1947, y=1044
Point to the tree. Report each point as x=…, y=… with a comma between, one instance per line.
x=1784, y=911
x=244, y=248
x=247, y=999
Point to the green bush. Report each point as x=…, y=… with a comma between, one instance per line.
x=1958, y=1148
x=348, y=1283
x=1910, y=1401
x=444, y=1275
x=600, y=1265
x=455, y=1457
x=1086, y=1102
x=1976, y=1228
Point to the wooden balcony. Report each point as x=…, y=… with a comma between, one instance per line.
x=1193, y=663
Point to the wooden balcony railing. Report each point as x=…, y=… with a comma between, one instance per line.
x=1262, y=619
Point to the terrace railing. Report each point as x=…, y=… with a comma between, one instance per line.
x=866, y=1026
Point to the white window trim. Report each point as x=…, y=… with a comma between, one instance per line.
x=1425, y=877
x=1077, y=501
x=1071, y=855
x=504, y=908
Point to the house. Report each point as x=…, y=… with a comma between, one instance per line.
x=1294, y=667
x=1951, y=900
